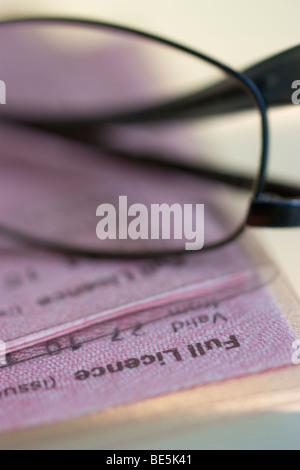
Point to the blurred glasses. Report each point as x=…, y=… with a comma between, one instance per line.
x=96, y=111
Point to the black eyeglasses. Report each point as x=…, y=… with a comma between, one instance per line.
x=97, y=113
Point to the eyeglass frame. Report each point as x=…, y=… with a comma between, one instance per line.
x=266, y=208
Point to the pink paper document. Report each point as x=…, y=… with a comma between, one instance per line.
x=50, y=188
x=84, y=334
x=226, y=326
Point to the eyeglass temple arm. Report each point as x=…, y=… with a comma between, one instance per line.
x=277, y=207
x=273, y=76
x=274, y=212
